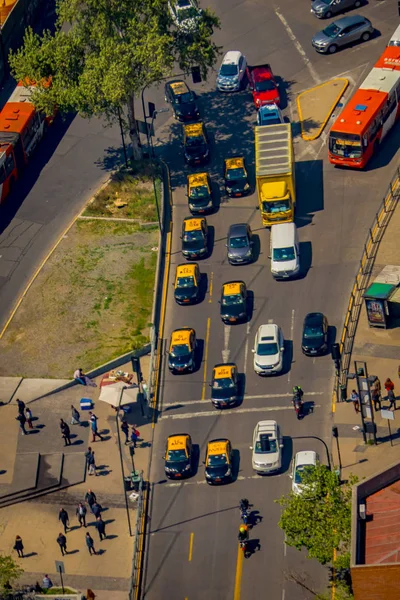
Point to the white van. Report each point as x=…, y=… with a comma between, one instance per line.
x=395, y=39
x=285, y=251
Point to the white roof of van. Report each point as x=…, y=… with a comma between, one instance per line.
x=282, y=233
x=231, y=57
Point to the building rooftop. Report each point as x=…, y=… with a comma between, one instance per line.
x=382, y=532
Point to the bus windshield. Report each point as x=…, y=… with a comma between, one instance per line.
x=347, y=145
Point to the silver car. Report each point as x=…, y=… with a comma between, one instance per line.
x=342, y=32
x=325, y=9
x=267, y=448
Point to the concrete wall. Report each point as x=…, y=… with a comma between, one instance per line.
x=376, y=582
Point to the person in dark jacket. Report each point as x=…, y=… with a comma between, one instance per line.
x=81, y=514
x=96, y=509
x=75, y=416
x=65, y=432
x=101, y=528
x=64, y=518
x=90, y=543
x=125, y=430
x=19, y=547
x=21, y=407
x=22, y=420
x=62, y=542
x=90, y=498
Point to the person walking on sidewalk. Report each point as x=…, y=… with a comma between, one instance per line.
x=75, y=416
x=125, y=430
x=90, y=498
x=88, y=454
x=376, y=399
x=29, y=417
x=90, y=544
x=134, y=437
x=21, y=406
x=93, y=425
x=19, y=547
x=101, y=528
x=389, y=385
x=65, y=432
x=96, y=509
x=22, y=420
x=64, y=518
x=355, y=398
x=81, y=514
x=92, y=464
x=62, y=542
x=392, y=399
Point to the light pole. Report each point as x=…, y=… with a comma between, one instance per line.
x=335, y=434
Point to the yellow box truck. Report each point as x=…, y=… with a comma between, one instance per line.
x=275, y=178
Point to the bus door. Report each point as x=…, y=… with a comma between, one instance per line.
x=390, y=113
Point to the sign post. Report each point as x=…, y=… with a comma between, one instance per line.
x=389, y=415
x=61, y=570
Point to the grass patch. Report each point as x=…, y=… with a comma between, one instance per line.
x=55, y=591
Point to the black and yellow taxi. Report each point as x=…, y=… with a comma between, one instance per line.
x=187, y=283
x=218, y=461
x=195, y=143
x=224, y=385
x=199, y=193
x=178, y=456
x=182, y=350
x=233, y=302
x=236, y=178
x=194, y=237
x=182, y=100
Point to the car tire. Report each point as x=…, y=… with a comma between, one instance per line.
x=365, y=36
x=332, y=49
x=328, y=15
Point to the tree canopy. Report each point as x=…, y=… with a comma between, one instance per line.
x=103, y=52
x=9, y=571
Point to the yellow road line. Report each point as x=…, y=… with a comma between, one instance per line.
x=191, y=546
x=211, y=286
x=238, y=577
x=334, y=576
x=203, y=393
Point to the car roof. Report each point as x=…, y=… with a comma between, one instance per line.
x=266, y=427
x=269, y=108
x=237, y=229
x=346, y=21
x=218, y=446
x=232, y=287
x=315, y=318
x=181, y=336
x=269, y=330
x=190, y=224
x=177, y=441
x=283, y=234
x=186, y=270
x=306, y=457
x=197, y=179
x=192, y=129
x=231, y=57
x=235, y=162
x=224, y=370
x=178, y=86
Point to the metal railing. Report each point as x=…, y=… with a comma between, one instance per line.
x=371, y=246
x=138, y=546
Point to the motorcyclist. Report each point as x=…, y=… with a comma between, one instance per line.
x=298, y=392
x=243, y=535
x=244, y=504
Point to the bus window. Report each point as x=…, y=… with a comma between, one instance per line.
x=347, y=145
x=9, y=164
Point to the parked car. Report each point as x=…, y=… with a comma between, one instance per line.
x=182, y=100
x=314, y=339
x=325, y=9
x=239, y=243
x=269, y=114
x=342, y=32
x=267, y=446
x=263, y=85
x=185, y=14
x=268, y=350
x=231, y=72
x=303, y=461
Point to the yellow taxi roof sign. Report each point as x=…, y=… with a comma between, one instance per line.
x=177, y=442
x=194, y=129
x=217, y=447
x=179, y=87
x=234, y=163
x=230, y=289
x=188, y=270
x=193, y=224
x=223, y=371
x=197, y=179
x=180, y=336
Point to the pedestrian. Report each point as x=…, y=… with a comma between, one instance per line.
x=19, y=547
x=81, y=514
x=96, y=509
x=47, y=582
x=22, y=420
x=90, y=543
x=62, y=542
x=28, y=415
x=355, y=398
x=75, y=416
x=65, y=432
x=90, y=498
x=38, y=588
x=83, y=379
x=389, y=385
x=90, y=595
x=136, y=431
x=101, y=528
x=64, y=518
x=92, y=464
x=93, y=425
x=125, y=430
x=21, y=406
x=376, y=399
x=392, y=399
x=134, y=437
x=88, y=454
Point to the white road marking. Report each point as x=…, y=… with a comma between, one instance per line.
x=284, y=546
x=226, y=352
x=299, y=47
x=270, y=321
x=258, y=397
x=291, y=337
x=202, y=481
x=246, y=348
x=283, y=594
x=224, y=413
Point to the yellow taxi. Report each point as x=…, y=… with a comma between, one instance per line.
x=218, y=461
x=195, y=143
x=187, y=283
x=224, y=385
x=178, y=456
x=182, y=100
x=236, y=178
x=233, y=302
x=199, y=193
x=194, y=237
x=182, y=349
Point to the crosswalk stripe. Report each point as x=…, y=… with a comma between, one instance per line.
x=224, y=413
x=259, y=397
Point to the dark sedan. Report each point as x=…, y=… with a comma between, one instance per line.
x=240, y=244
x=234, y=302
x=182, y=100
x=315, y=334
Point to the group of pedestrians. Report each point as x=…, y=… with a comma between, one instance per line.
x=24, y=417
x=376, y=395
x=133, y=437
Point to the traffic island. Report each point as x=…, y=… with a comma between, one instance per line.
x=316, y=105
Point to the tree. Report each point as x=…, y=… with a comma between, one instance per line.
x=319, y=519
x=9, y=571
x=103, y=52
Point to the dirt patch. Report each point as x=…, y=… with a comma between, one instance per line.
x=91, y=302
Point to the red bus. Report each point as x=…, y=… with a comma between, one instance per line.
x=369, y=115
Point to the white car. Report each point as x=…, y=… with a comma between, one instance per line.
x=303, y=461
x=268, y=350
x=267, y=445
x=231, y=72
x=185, y=14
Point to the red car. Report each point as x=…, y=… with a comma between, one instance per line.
x=263, y=85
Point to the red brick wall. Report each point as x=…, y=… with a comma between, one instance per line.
x=376, y=582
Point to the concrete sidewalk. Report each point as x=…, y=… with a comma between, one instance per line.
x=36, y=521
x=380, y=349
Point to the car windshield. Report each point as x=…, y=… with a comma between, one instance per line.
x=201, y=191
x=347, y=145
x=265, y=86
x=184, y=98
x=180, y=350
x=176, y=455
x=184, y=282
x=276, y=206
x=266, y=444
x=234, y=174
x=225, y=382
x=312, y=332
x=283, y=254
x=228, y=70
x=216, y=460
x=267, y=348
x=186, y=13
x=231, y=300
x=193, y=236
x=239, y=242
x=195, y=140
x=300, y=470
x=332, y=30
x=269, y=120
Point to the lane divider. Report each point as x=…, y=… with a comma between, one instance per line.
x=191, y=547
x=239, y=571
x=211, y=286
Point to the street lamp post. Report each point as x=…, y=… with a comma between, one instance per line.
x=335, y=434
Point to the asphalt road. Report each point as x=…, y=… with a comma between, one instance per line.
x=192, y=544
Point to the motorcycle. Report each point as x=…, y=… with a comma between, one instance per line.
x=298, y=406
x=244, y=510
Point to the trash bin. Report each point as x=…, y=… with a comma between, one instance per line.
x=135, y=480
x=128, y=483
